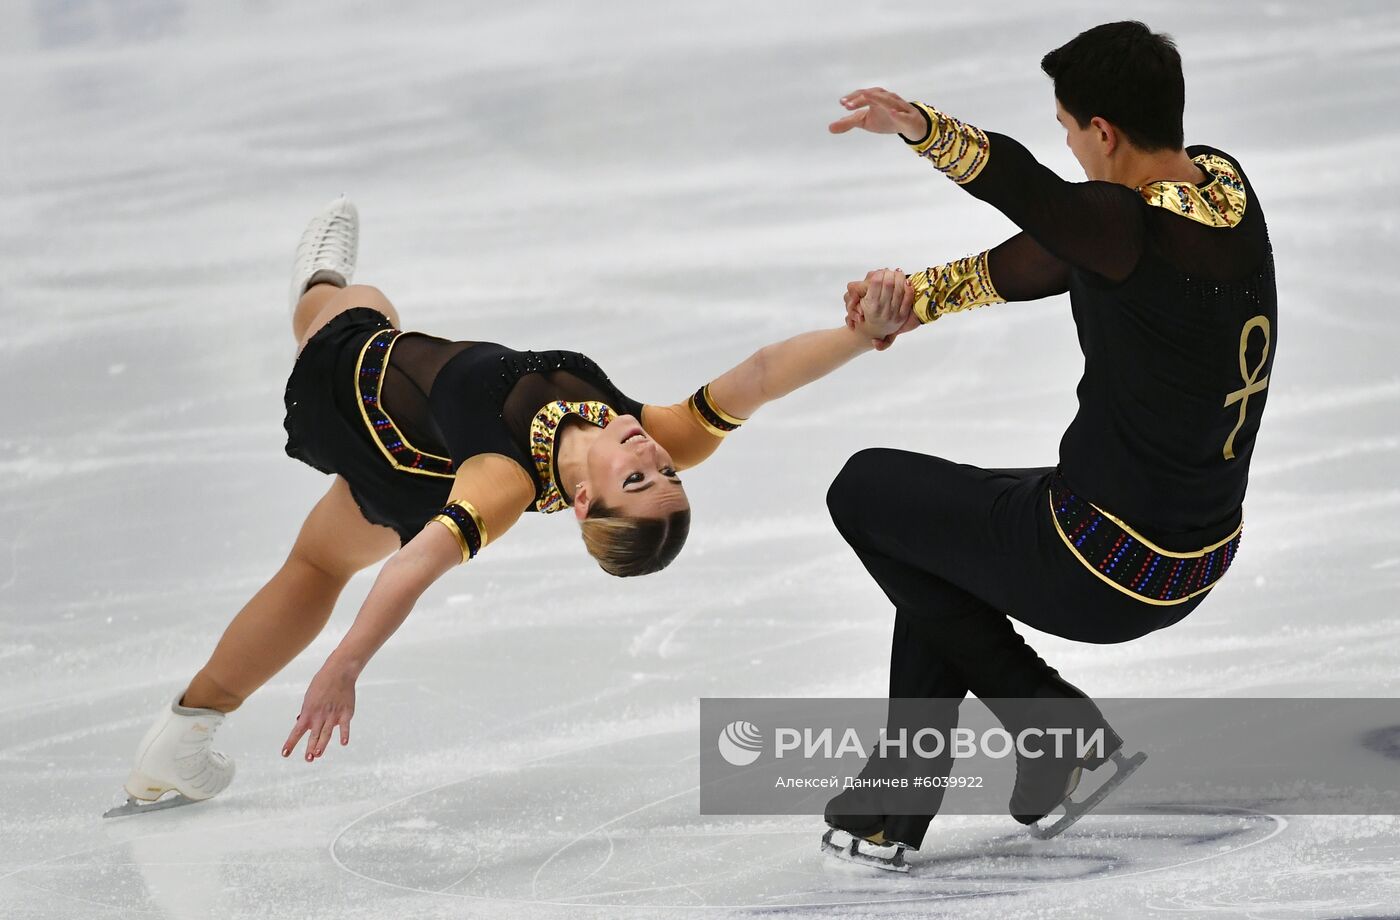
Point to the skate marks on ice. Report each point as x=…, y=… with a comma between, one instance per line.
x=616, y=825
x=973, y=857
x=1384, y=741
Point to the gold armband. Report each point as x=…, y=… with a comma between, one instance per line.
x=716, y=420
x=955, y=148
x=959, y=285
x=466, y=525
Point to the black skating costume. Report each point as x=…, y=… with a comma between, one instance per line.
x=409, y=419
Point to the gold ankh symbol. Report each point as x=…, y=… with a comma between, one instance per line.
x=1252, y=384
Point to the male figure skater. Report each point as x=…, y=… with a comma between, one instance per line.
x=1167, y=261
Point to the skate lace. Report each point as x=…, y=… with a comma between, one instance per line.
x=337, y=233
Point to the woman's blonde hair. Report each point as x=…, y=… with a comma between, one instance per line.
x=627, y=546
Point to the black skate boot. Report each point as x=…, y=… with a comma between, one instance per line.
x=1048, y=782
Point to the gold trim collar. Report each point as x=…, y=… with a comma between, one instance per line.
x=1219, y=203
x=544, y=428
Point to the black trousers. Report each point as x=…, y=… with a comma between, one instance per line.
x=960, y=551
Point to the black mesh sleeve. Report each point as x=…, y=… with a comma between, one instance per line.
x=1095, y=226
x=1022, y=269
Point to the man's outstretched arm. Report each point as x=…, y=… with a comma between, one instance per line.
x=1095, y=226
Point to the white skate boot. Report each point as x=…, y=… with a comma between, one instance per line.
x=175, y=756
x=327, y=249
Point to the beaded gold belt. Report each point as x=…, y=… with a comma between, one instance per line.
x=1130, y=562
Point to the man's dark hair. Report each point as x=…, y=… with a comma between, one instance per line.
x=1126, y=74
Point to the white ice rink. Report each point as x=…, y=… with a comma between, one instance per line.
x=651, y=184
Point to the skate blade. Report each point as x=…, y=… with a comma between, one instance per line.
x=850, y=854
x=1123, y=767
x=135, y=806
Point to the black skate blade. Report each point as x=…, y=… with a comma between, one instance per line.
x=851, y=854
x=135, y=806
x=1123, y=767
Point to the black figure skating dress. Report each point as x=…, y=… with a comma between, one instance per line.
x=403, y=415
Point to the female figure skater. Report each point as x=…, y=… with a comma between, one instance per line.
x=437, y=448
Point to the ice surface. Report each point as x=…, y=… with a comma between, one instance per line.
x=651, y=184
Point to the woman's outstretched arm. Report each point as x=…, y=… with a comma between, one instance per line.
x=488, y=496
x=776, y=370
x=691, y=430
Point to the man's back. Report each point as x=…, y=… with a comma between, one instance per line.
x=1176, y=358
x=1172, y=289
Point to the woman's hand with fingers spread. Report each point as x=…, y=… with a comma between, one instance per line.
x=329, y=702
x=881, y=112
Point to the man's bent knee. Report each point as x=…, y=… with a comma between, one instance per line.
x=855, y=488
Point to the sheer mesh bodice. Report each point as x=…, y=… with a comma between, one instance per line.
x=1101, y=227
x=458, y=399
x=415, y=363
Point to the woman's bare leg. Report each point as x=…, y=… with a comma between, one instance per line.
x=289, y=611
x=323, y=302
x=335, y=542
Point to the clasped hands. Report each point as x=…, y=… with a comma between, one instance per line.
x=881, y=306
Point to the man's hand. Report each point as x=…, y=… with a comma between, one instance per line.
x=881, y=112
x=330, y=701
x=855, y=292
x=881, y=306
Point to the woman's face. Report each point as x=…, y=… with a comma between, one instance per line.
x=629, y=471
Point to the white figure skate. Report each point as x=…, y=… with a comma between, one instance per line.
x=175, y=756
x=327, y=249
x=850, y=848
